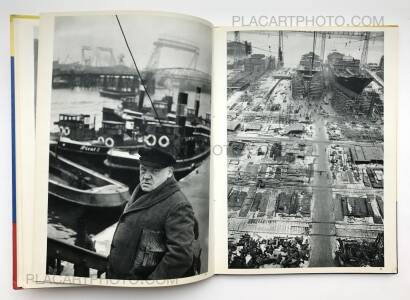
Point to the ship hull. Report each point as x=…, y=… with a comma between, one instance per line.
x=89, y=155
x=305, y=85
x=349, y=85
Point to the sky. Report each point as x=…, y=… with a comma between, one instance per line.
x=296, y=44
x=74, y=32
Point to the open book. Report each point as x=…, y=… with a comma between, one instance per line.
x=154, y=149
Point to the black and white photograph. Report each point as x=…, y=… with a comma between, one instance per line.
x=128, y=183
x=305, y=149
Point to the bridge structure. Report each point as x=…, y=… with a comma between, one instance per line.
x=161, y=43
x=95, y=63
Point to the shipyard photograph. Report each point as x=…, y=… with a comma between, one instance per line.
x=128, y=188
x=305, y=149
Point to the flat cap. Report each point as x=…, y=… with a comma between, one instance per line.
x=156, y=158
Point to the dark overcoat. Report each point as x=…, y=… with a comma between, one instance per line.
x=165, y=212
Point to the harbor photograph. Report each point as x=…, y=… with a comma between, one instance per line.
x=129, y=154
x=305, y=128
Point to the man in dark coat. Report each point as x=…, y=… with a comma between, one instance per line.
x=154, y=238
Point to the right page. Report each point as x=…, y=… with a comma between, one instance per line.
x=306, y=150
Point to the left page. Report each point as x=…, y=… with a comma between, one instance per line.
x=122, y=150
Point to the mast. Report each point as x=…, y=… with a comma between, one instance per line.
x=363, y=60
x=138, y=72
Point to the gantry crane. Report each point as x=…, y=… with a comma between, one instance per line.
x=280, y=51
x=173, y=44
x=365, y=36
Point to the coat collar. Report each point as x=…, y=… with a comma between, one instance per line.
x=162, y=192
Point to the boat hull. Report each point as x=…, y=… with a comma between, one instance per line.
x=116, y=94
x=67, y=194
x=105, y=191
x=92, y=156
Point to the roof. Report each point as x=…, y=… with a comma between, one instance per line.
x=132, y=112
x=366, y=153
x=253, y=126
x=295, y=127
x=233, y=125
x=373, y=153
x=75, y=115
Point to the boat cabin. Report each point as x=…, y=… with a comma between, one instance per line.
x=76, y=127
x=112, y=128
x=111, y=133
x=161, y=107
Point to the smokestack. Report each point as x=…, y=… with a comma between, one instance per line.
x=134, y=83
x=197, y=99
x=181, y=108
x=141, y=98
x=169, y=101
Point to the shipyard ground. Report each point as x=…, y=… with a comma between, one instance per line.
x=311, y=162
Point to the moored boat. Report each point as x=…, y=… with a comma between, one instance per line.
x=78, y=140
x=184, y=134
x=71, y=182
x=117, y=86
x=114, y=94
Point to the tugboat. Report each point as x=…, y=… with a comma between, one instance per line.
x=78, y=140
x=114, y=147
x=71, y=182
x=118, y=86
x=184, y=134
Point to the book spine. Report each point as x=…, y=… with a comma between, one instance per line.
x=13, y=145
x=13, y=176
x=13, y=155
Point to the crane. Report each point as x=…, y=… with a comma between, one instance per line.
x=313, y=53
x=237, y=36
x=92, y=56
x=323, y=47
x=86, y=60
x=98, y=59
x=365, y=50
x=365, y=36
x=270, y=34
x=172, y=44
x=280, y=50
